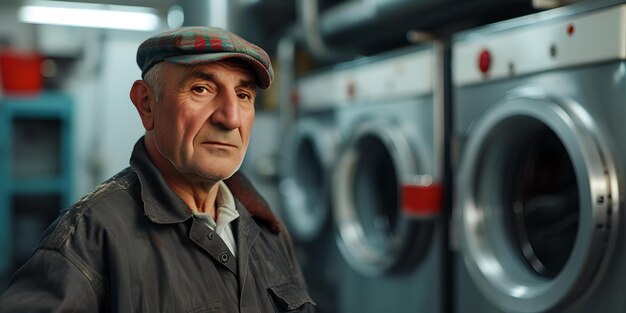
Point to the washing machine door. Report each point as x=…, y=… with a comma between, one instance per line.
x=311, y=148
x=536, y=202
x=374, y=236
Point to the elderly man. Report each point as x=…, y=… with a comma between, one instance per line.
x=180, y=230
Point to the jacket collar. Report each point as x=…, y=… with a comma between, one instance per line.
x=161, y=204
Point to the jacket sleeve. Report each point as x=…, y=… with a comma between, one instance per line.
x=49, y=282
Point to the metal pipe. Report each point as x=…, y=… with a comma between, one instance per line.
x=345, y=17
x=357, y=14
x=286, y=75
x=308, y=18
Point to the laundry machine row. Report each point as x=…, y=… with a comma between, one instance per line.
x=539, y=108
x=360, y=164
x=538, y=169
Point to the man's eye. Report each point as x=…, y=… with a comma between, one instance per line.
x=199, y=89
x=244, y=96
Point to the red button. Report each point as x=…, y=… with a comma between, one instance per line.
x=484, y=61
x=295, y=99
x=351, y=90
x=570, y=29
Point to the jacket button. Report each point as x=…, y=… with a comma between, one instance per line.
x=211, y=235
x=224, y=257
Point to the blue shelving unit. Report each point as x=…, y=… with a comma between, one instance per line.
x=35, y=170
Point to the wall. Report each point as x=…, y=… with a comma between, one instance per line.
x=98, y=76
x=107, y=124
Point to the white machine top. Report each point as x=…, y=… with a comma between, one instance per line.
x=368, y=80
x=540, y=44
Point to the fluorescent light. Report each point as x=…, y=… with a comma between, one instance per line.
x=89, y=15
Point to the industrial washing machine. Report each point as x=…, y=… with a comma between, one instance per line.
x=310, y=148
x=387, y=170
x=539, y=108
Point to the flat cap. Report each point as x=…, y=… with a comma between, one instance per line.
x=198, y=44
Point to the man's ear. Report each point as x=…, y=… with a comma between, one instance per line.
x=141, y=98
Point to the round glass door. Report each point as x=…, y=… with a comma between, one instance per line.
x=305, y=181
x=373, y=235
x=543, y=200
x=536, y=202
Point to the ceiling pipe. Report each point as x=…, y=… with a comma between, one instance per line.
x=348, y=17
x=308, y=19
x=357, y=14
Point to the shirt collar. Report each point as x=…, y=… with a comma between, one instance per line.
x=226, y=210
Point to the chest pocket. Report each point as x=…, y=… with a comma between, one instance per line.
x=290, y=297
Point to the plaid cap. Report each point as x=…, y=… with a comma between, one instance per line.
x=197, y=45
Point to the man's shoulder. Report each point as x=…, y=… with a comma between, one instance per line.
x=99, y=209
x=121, y=183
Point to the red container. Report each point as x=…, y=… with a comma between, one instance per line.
x=20, y=72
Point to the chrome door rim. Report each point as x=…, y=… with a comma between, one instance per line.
x=360, y=254
x=507, y=285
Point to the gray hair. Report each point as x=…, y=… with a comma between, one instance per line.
x=155, y=81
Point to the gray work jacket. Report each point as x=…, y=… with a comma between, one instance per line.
x=132, y=245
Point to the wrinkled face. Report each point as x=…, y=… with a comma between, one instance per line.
x=203, y=123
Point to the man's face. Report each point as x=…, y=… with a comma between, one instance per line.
x=203, y=123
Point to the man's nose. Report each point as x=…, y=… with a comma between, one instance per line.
x=227, y=112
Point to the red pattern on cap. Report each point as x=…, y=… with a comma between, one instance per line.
x=199, y=42
x=215, y=43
